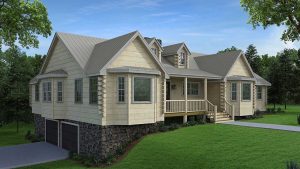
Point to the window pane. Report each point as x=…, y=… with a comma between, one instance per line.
x=59, y=91
x=93, y=90
x=121, y=89
x=233, y=91
x=142, y=89
x=246, y=91
x=259, y=92
x=78, y=90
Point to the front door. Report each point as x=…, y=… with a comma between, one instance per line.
x=168, y=91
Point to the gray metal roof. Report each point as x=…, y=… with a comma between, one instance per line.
x=104, y=51
x=261, y=81
x=138, y=70
x=219, y=64
x=81, y=47
x=244, y=78
x=171, y=49
x=149, y=40
x=178, y=72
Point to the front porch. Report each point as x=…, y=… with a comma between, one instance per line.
x=189, y=96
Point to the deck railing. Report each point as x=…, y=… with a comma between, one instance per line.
x=177, y=106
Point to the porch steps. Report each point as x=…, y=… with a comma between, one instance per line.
x=221, y=117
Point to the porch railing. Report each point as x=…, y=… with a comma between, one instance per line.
x=177, y=106
x=229, y=109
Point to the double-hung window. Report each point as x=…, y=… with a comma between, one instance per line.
x=258, y=92
x=154, y=50
x=246, y=91
x=37, y=92
x=182, y=58
x=59, y=91
x=93, y=90
x=142, y=88
x=233, y=91
x=121, y=89
x=78, y=91
x=193, y=88
x=47, y=89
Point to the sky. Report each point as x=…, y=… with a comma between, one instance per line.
x=205, y=26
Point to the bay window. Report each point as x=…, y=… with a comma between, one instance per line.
x=142, y=89
x=246, y=91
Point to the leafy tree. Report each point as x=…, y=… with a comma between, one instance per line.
x=253, y=59
x=275, y=12
x=233, y=48
x=22, y=21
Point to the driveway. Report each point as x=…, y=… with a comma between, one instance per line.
x=266, y=126
x=30, y=154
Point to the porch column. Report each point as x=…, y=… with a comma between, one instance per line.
x=205, y=89
x=185, y=97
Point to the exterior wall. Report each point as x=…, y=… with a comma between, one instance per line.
x=39, y=123
x=240, y=68
x=213, y=93
x=187, y=58
x=177, y=93
x=155, y=45
x=130, y=113
x=261, y=104
x=61, y=58
x=242, y=108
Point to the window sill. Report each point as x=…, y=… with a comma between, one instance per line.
x=141, y=102
x=246, y=100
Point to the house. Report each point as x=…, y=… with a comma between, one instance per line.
x=94, y=95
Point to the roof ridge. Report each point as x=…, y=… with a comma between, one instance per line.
x=109, y=40
x=74, y=34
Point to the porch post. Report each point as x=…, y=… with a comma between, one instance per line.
x=205, y=92
x=185, y=97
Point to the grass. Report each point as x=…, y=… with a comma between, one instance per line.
x=212, y=146
x=9, y=135
x=289, y=117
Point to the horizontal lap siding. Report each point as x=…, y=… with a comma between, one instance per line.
x=261, y=103
x=177, y=94
x=62, y=59
x=134, y=55
x=240, y=68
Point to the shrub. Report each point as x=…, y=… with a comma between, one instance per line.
x=279, y=110
x=33, y=138
x=292, y=165
x=174, y=126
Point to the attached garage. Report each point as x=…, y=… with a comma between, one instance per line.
x=51, y=132
x=70, y=136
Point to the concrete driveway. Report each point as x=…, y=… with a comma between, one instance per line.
x=30, y=154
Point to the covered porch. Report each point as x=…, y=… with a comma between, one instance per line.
x=189, y=96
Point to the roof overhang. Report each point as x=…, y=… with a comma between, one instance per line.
x=137, y=70
x=241, y=78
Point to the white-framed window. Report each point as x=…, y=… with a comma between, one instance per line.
x=259, y=92
x=182, y=58
x=78, y=90
x=59, y=91
x=154, y=50
x=93, y=90
x=246, y=91
x=121, y=89
x=233, y=91
x=47, y=90
x=193, y=89
x=142, y=89
x=37, y=92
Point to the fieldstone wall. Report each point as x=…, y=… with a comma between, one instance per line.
x=39, y=123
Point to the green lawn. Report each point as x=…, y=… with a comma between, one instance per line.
x=289, y=117
x=212, y=146
x=9, y=135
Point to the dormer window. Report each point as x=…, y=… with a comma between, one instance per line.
x=154, y=50
x=182, y=58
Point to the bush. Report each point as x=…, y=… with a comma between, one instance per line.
x=33, y=138
x=292, y=165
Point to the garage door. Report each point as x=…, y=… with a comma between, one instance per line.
x=69, y=137
x=52, y=132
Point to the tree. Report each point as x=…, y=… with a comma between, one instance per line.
x=254, y=59
x=22, y=21
x=275, y=12
x=233, y=48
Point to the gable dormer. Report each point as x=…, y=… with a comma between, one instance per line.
x=177, y=54
x=155, y=46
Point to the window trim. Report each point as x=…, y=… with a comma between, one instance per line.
x=62, y=91
x=37, y=94
x=81, y=100
x=47, y=91
x=90, y=91
x=242, y=94
x=231, y=91
x=151, y=90
x=180, y=58
x=260, y=92
x=189, y=82
x=118, y=101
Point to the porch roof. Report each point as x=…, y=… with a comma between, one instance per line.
x=240, y=78
x=52, y=74
x=177, y=72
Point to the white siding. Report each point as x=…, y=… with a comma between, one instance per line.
x=240, y=68
x=261, y=104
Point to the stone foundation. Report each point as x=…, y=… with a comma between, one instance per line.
x=102, y=141
x=39, y=123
